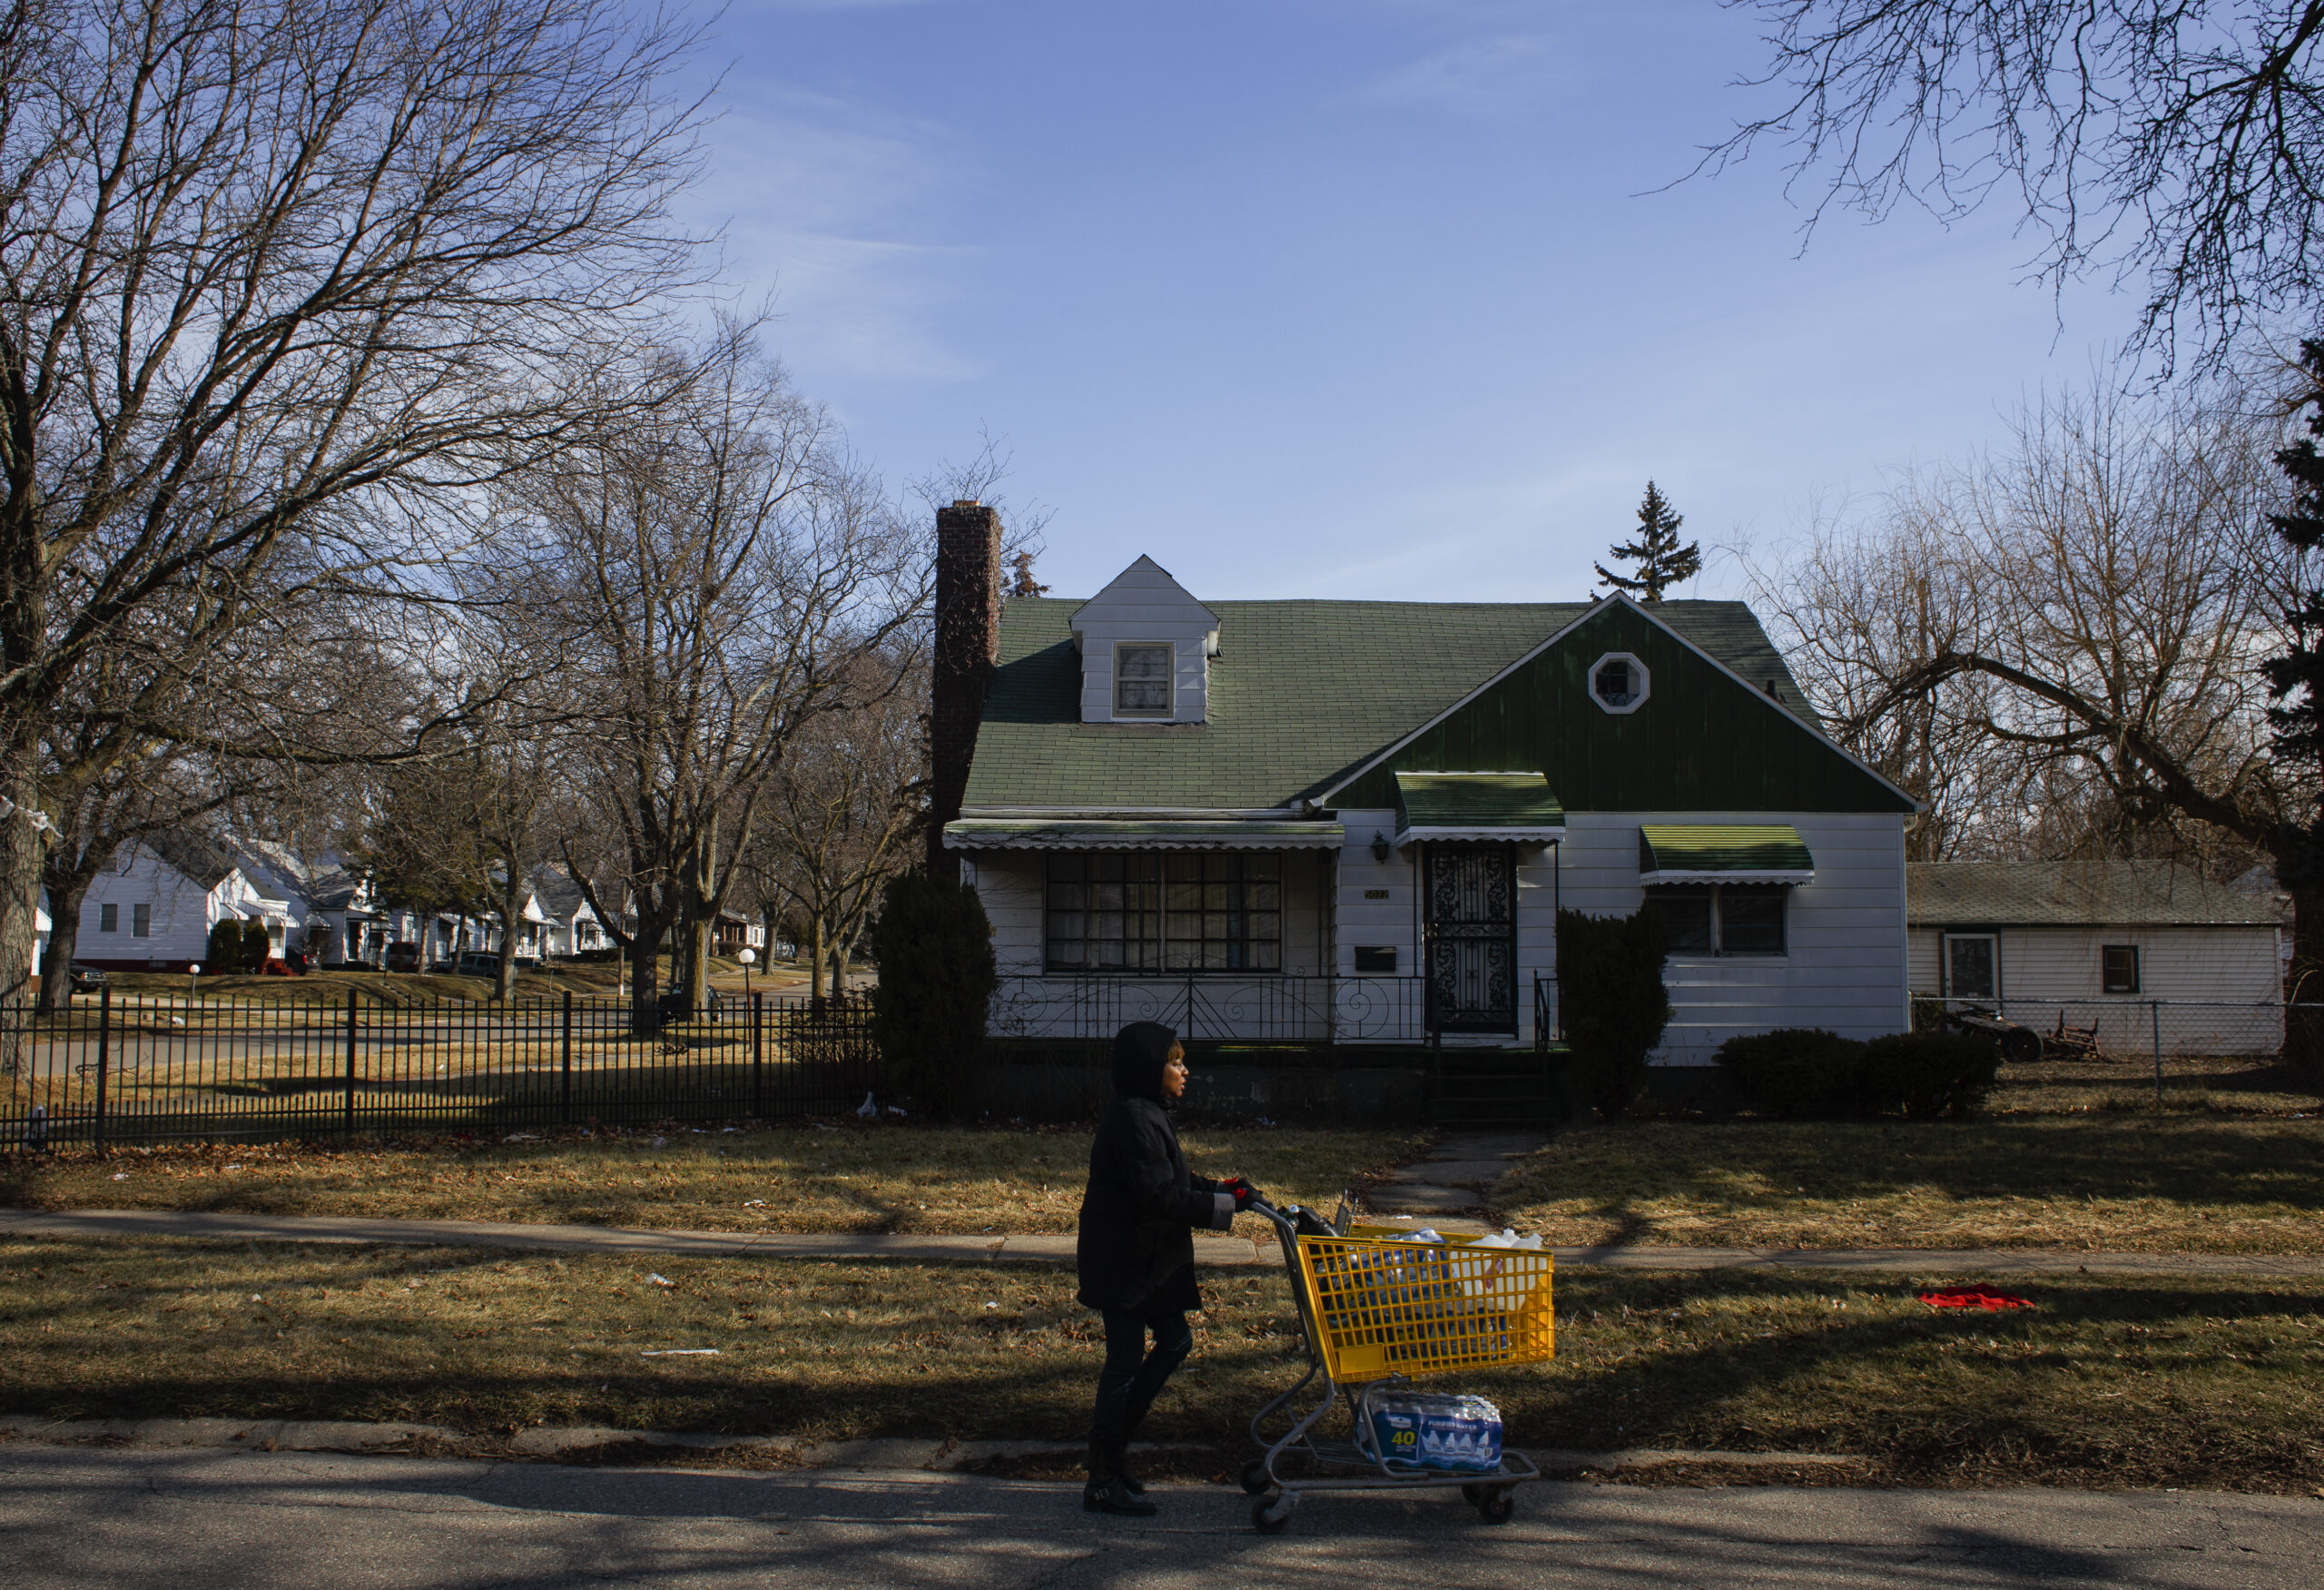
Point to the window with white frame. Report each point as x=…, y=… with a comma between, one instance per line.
x=1619, y=683
x=1142, y=679
x=2118, y=968
x=1971, y=966
x=108, y=918
x=1177, y=911
x=141, y=921
x=1721, y=919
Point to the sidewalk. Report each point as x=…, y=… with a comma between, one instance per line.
x=1056, y=1249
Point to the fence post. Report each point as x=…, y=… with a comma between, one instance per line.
x=104, y=1058
x=350, y=1062
x=758, y=1059
x=565, y=1108
x=2154, y=1013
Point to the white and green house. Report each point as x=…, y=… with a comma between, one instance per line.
x=1355, y=822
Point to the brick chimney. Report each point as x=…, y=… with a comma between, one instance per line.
x=968, y=644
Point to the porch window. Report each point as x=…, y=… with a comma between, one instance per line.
x=1721, y=919
x=1160, y=913
x=1142, y=681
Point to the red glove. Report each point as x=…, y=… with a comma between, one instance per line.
x=1244, y=1194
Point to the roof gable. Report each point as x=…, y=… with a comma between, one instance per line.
x=1704, y=738
x=1145, y=589
x=1303, y=695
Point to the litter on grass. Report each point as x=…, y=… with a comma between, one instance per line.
x=661, y=1280
x=1975, y=1298
x=755, y=1203
x=679, y=1352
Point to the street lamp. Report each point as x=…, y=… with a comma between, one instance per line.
x=192, y=972
x=749, y=957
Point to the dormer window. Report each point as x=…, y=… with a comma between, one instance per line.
x=1142, y=680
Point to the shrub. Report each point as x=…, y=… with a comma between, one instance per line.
x=1928, y=1074
x=1611, y=1002
x=224, y=952
x=937, y=978
x=1795, y=1074
x=256, y=947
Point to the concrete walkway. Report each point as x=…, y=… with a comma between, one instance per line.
x=1456, y=1178
x=1052, y=1248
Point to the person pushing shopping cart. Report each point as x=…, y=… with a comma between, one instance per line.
x=1136, y=1255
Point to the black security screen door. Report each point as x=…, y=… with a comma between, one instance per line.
x=1472, y=937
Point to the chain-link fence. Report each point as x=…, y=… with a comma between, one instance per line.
x=2122, y=1029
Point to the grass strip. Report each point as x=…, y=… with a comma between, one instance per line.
x=2173, y=1184
x=2106, y=1382
x=868, y=1178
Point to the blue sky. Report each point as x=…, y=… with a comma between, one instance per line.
x=1345, y=298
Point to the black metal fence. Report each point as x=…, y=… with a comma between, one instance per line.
x=134, y=1068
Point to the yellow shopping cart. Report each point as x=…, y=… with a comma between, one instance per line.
x=1379, y=1309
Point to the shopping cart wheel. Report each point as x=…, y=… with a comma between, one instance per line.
x=1496, y=1505
x=1272, y=1515
x=1257, y=1481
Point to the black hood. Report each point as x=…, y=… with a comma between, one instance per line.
x=1141, y=1052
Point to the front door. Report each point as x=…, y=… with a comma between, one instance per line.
x=1472, y=937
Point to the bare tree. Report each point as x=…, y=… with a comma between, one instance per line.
x=2180, y=140
x=730, y=576
x=2058, y=645
x=844, y=816
x=281, y=284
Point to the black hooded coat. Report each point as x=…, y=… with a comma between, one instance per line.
x=1137, y=1248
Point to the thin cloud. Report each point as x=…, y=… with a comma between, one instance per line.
x=1484, y=76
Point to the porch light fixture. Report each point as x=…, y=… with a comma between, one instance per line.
x=1380, y=847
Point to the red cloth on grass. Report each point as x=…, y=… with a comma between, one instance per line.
x=1973, y=1297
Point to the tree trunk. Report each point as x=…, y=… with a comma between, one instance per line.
x=815, y=966
x=20, y=865
x=644, y=972
x=63, y=940
x=697, y=964
x=512, y=902
x=841, y=950
x=2304, y=987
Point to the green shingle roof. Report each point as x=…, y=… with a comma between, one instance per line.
x=1301, y=693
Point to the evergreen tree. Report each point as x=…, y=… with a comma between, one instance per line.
x=1659, y=560
x=2296, y=683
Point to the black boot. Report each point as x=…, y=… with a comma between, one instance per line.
x=1106, y=1492
x=1130, y=1421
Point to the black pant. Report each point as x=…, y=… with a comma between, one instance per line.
x=1133, y=1377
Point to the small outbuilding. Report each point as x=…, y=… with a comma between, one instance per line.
x=2149, y=951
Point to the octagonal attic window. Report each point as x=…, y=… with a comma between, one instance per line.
x=1618, y=682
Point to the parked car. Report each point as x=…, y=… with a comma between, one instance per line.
x=403, y=956
x=80, y=977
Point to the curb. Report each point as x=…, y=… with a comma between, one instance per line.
x=1046, y=1247
x=579, y=1443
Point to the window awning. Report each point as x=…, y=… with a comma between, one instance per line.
x=1099, y=834
x=1513, y=807
x=1763, y=853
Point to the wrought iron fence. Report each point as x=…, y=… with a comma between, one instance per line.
x=135, y=1069
x=1287, y=1011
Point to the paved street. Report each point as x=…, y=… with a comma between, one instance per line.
x=128, y=1518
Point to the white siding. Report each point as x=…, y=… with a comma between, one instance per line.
x=2219, y=984
x=182, y=912
x=1844, y=966
x=1145, y=604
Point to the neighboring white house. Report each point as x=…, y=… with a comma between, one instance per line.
x=1356, y=821
x=153, y=910
x=2102, y=941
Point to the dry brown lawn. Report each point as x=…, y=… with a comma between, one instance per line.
x=2104, y=1382
x=883, y=1177
x=2170, y=1183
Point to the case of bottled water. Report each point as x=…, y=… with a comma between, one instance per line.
x=1414, y=1430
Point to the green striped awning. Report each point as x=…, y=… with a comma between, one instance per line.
x=1102, y=833
x=1760, y=853
x=1516, y=806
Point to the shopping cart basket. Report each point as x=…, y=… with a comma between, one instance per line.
x=1377, y=1311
